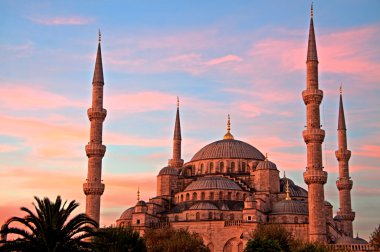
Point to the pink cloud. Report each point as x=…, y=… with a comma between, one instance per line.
x=224, y=59
x=368, y=151
x=62, y=20
x=25, y=97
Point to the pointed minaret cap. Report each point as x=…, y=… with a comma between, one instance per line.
x=228, y=135
x=287, y=190
x=98, y=72
x=177, y=126
x=138, y=193
x=312, y=46
x=341, y=119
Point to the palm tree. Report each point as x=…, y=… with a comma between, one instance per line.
x=49, y=229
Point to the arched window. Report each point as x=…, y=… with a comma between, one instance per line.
x=232, y=166
x=210, y=215
x=221, y=216
x=221, y=165
x=243, y=166
x=181, y=197
x=176, y=218
x=211, y=167
x=198, y=216
x=237, y=196
x=195, y=196
x=187, y=196
x=211, y=195
x=201, y=171
x=244, y=196
x=229, y=195
x=220, y=195
x=203, y=196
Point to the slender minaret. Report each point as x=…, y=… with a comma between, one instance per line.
x=94, y=188
x=176, y=161
x=314, y=176
x=344, y=183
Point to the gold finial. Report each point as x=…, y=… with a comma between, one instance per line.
x=228, y=135
x=287, y=190
x=341, y=88
x=177, y=102
x=138, y=193
x=99, y=36
x=311, y=10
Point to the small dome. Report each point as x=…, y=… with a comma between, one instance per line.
x=266, y=165
x=295, y=190
x=208, y=183
x=203, y=206
x=168, y=171
x=127, y=214
x=349, y=240
x=328, y=204
x=228, y=148
x=290, y=207
x=141, y=203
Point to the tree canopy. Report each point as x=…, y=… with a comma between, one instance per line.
x=49, y=228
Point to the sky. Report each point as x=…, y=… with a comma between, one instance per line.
x=246, y=58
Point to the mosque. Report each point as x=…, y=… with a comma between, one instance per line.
x=229, y=187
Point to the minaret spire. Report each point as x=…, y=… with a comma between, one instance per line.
x=95, y=150
x=176, y=160
x=314, y=176
x=344, y=183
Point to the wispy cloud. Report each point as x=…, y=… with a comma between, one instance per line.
x=75, y=20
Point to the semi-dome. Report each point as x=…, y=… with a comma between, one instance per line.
x=266, y=165
x=208, y=183
x=228, y=148
x=203, y=206
x=290, y=207
x=168, y=171
x=295, y=190
x=127, y=214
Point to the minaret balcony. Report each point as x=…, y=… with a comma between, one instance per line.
x=95, y=150
x=349, y=216
x=177, y=163
x=315, y=177
x=313, y=135
x=344, y=184
x=97, y=113
x=93, y=188
x=312, y=96
x=343, y=155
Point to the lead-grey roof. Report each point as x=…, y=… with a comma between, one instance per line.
x=208, y=183
x=290, y=207
x=295, y=190
x=228, y=149
x=203, y=206
x=127, y=214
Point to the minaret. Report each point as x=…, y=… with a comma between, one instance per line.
x=344, y=183
x=314, y=176
x=176, y=161
x=94, y=188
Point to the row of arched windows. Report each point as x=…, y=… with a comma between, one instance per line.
x=288, y=219
x=219, y=167
x=221, y=195
x=210, y=216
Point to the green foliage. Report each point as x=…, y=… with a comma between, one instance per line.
x=171, y=240
x=374, y=238
x=119, y=239
x=49, y=229
x=274, y=233
x=299, y=246
x=262, y=245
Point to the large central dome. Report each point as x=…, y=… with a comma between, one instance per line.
x=228, y=148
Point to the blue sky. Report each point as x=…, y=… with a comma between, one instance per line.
x=246, y=58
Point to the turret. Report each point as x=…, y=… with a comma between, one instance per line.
x=313, y=135
x=176, y=160
x=344, y=183
x=95, y=150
